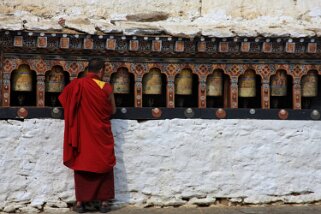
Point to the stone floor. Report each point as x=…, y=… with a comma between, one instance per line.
x=303, y=209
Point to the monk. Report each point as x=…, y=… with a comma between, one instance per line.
x=88, y=147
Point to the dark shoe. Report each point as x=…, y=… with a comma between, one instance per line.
x=79, y=208
x=104, y=207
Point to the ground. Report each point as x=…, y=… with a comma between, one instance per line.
x=302, y=209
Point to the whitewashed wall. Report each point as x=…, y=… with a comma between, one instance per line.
x=169, y=162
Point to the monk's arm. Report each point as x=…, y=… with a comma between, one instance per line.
x=112, y=101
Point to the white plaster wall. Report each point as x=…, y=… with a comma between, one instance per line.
x=169, y=162
x=214, y=18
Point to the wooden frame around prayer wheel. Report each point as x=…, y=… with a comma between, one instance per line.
x=23, y=91
x=217, y=89
x=249, y=90
x=310, y=89
x=55, y=81
x=232, y=57
x=154, y=88
x=122, y=82
x=280, y=88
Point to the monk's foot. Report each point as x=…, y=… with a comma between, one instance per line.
x=104, y=207
x=79, y=207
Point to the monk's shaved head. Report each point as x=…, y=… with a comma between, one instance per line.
x=95, y=65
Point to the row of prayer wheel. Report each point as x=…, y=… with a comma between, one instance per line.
x=279, y=84
x=152, y=82
x=22, y=79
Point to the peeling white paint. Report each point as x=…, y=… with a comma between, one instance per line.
x=169, y=162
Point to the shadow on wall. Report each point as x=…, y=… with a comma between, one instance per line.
x=120, y=127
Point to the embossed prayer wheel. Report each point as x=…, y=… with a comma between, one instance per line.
x=184, y=83
x=279, y=83
x=310, y=85
x=55, y=80
x=152, y=82
x=22, y=79
x=247, y=84
x=121, y=81
x=214, y=84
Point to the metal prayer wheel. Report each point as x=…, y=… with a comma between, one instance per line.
x=279, y=83
x=152, y=82
x=184, y=83
x=214, y=84
x=310, y=85
x=22, y=79
x=247, y=84
x=55, y=80
x=121, y=82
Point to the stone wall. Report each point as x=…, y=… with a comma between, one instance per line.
x=169, y=162
x=296, y=18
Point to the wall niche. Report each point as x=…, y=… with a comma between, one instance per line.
x=23, y=90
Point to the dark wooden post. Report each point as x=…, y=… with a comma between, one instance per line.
x=265, y=94
x=202, y=91
x=234, y=92
x=41, y=90
x=170, y=92
x=296, y=93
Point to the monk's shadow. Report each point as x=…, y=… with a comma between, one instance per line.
x=122, y=197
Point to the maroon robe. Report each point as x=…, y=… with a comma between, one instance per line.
x=88, y=139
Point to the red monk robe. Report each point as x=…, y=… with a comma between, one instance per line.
x=88, y=139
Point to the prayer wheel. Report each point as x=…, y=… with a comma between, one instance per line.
x=22, y=79
x=184, y=83
x=152, y=82
x=214, y=84
x=247, y=84
x=310, y=85
x=279, y=84
x=121, y=82
x=55, y=80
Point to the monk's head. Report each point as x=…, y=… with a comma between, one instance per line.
x=96, y=66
